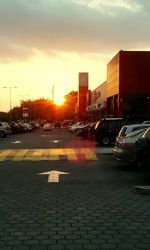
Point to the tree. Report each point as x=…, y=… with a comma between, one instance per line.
x=69, y=105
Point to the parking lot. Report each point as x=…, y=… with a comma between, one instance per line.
x=68, y=203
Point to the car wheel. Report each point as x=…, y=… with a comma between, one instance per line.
x=142, y=162
x=105, y=141
x=2, y=134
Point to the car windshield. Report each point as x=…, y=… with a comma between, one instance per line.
x=136, y=133
x=123, y=131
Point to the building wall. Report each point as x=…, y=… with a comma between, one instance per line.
x=98, y=102
x=113, y=76
x=127, y=89
x=134, y=72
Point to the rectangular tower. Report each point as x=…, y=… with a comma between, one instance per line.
x=82, y=95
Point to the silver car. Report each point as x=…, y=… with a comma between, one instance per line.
x=5, y=129
x=124, y=149
x=127, y=129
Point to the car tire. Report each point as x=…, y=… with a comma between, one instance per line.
x=142, y=162
x=2, y=134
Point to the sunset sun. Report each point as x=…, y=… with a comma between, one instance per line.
x=59, y=100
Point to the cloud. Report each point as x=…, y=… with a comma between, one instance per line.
x=78, y=26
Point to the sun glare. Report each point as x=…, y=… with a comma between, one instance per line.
x=59, y=100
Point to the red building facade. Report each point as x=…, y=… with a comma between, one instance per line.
x=128, y=85
x=126, y=92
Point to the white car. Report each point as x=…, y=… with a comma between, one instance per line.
x=76, y=126
x=47, y=126
x=5, y=129
x=28, y=126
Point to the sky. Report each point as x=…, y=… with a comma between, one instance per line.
x=48, y=42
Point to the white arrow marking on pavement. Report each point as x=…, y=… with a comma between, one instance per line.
x=53, y=176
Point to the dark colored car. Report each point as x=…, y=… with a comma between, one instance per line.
x=83, y=132
x=91, y=131
x=107, y=129
x=57, y=124
x=143, y=149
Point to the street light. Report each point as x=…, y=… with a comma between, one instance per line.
x=12, y=87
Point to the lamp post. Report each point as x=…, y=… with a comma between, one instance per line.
x=10, y=88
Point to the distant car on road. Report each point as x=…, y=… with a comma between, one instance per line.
x=47, y=127
x=5, y=129
x=57, y=124
x=76, y=126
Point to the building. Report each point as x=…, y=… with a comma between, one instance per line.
x=126, y=92
x=97, y=106
x=81, y=113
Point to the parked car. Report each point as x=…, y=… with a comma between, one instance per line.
x=83, y=131
x=143, y=149
x=47, y=127
x=127, y=129
x=146, y=122
x=107, y=129
x=57, y=124
x=14, y=127
x=125, y=146
x=76, y=126
x=91, y=130
x=28, y=126
x=22, y=127
x=5, y=129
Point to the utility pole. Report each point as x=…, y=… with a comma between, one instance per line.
x=10, y=102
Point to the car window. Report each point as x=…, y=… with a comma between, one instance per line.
x=123, y=131
x=136, y=133
x=104, y=124
x=147, y=134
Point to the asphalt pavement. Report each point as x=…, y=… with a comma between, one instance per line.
x=67, y=203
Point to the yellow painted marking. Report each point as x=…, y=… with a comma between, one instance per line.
x=28, y=156
x=20, y=154
x=5, y=153
x=54, y=157
x=37, y=155
x=89, y=154
x=73, y=154
x=46, y=154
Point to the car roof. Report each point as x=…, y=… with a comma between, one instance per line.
x=136, y=125
x=136, y=132
x=112, y=118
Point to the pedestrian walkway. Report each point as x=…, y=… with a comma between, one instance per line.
x=54, y=154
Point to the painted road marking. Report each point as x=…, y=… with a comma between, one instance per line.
x=54, y=154
x=53, y=176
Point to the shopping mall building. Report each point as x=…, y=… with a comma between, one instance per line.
x=125, y=93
